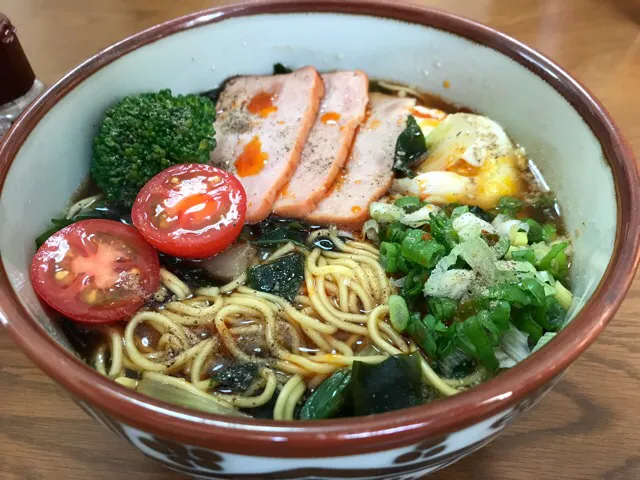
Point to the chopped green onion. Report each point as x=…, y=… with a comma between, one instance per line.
x=404, y=265
x=535, y=230
x=385, y=212
x=459, y=211
x=546, y=262
x=519, y=238
x=502, y=247
x=535, y=288
x=548, y=232
x=563, y=295
x=394, y=232
x=550, y=315
x=408, y=204
x=371, y=230
x=426, y=253
x=419, y=333
x=472, y=339
x=500, y=314
x=509, y=205
x=511, y=293
x=442, y=308
x=398, y=313
x=524, y=255
x=525, y=323
x=414, y=282
x=442, y=230
x=389, y=253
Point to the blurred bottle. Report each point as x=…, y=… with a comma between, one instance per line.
x=18, y=84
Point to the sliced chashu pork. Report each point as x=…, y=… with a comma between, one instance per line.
x=367, y=174
x=261, y=126
x=342, y=110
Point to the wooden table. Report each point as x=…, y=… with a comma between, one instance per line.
x=587, y=427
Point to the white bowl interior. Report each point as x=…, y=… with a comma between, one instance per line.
x=56, y=156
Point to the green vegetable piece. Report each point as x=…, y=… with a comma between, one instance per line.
x=442, y=230
x=535, y=289
x=410, y=147
x=535, y=233
x=394, y=232
x=146, y=133
x=524, y=321
x=404, y=265
x=547, y=260
x=329, y=398
x=414, y=282
x=390, y=385
x=398, y=313
x=277, y=233
x=519, y=238
x=425, y=253
x=409, y=204
x=509, y=206
x=501, y=247
x=456, y=364
x=509, y=292
x=282, y=277
x=550, y=315
x=184, y=398
x=560, y=266
x=419, y=331
x=548, y=232
x=500, y=314
x=389, y=253
x=99, y=209
x=524, y=255
x=44, y=236
x=443, y=309
x=461, y=210
x=563, y=295
x=472, y=339
x=280, y=69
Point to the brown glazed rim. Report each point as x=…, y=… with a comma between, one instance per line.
x=364, y=434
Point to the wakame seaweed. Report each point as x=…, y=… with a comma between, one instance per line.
x=410, y=147
x=194, y=277
x=280, y=69
x=389, y=385
x=282, y=277
x=329, y=398
x=101, y=210
x=237, y=377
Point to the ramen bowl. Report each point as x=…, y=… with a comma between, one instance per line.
x=579, y=149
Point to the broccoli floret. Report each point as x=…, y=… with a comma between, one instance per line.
x=144, y=134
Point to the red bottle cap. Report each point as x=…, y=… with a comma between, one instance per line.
x=16, y=75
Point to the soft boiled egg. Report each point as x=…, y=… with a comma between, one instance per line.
x=470, y=160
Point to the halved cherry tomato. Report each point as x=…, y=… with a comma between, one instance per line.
x=96, y=271
x=190, y=210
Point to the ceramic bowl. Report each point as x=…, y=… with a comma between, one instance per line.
x=569, y=134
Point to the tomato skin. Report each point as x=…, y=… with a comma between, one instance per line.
x=96, y=271
x=190, y=210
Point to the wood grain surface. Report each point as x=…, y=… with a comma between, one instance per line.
x=587, y=427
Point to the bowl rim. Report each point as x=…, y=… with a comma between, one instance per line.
x=362, y=434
